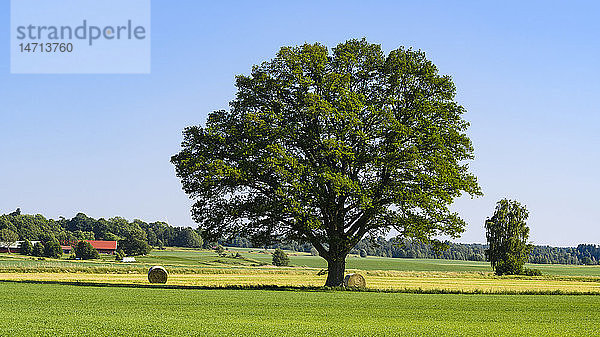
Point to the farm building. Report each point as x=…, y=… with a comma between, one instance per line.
x=103, y=247
x=14, y=248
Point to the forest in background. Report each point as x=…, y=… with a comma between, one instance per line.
x=81, y=227
x=588, y=254
x=159, y=234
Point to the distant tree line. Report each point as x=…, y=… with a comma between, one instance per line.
x=133, y=236
x=415, y=249
x=582, y=254
x=242, y=242
x=130, y=235
x=382, y=247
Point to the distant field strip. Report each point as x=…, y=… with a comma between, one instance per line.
x=190, y=260
x=203, y=268
x=306, y=278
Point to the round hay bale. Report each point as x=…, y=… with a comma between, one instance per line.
x=354, y=281
x=157, y=274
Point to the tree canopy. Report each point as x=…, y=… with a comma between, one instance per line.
x=507, y=234
x=7, y=238
x=326, y=147
x=26, y=248
x=133, y=247
x=85, y=251
x=53, y=249
x=82, y=227
x=38, y=249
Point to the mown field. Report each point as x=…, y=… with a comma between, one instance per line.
x=369, y=263
x=64, y=310
x=205, y=268
x=180, y=258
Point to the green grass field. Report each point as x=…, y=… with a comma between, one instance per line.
x=62, y=310
x=121, y=307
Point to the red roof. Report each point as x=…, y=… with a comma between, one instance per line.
x=112, y=245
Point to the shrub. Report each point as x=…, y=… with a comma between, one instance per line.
x=532, y=272
x=280, y=258
x=38, y=249
x=85, y=251
x=53, y=249
x=220, y=251
x=119, y=255
x=26, y=248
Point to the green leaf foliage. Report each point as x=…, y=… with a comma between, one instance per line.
x=38, y=249
x=280, y=258
x=53, y=249
x=82, y=227
x=507, y=234
x=134, y=247
x=327, y=146
x=85, y=251
x=26, y=248
x=8, y=237
x=119, y=255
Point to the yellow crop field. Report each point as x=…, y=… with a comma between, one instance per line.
x=466, y=282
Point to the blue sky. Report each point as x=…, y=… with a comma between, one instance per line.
x=527, y=74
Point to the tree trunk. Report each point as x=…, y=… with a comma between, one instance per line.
x=335, y=271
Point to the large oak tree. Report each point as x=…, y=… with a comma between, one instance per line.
x=327, y=146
